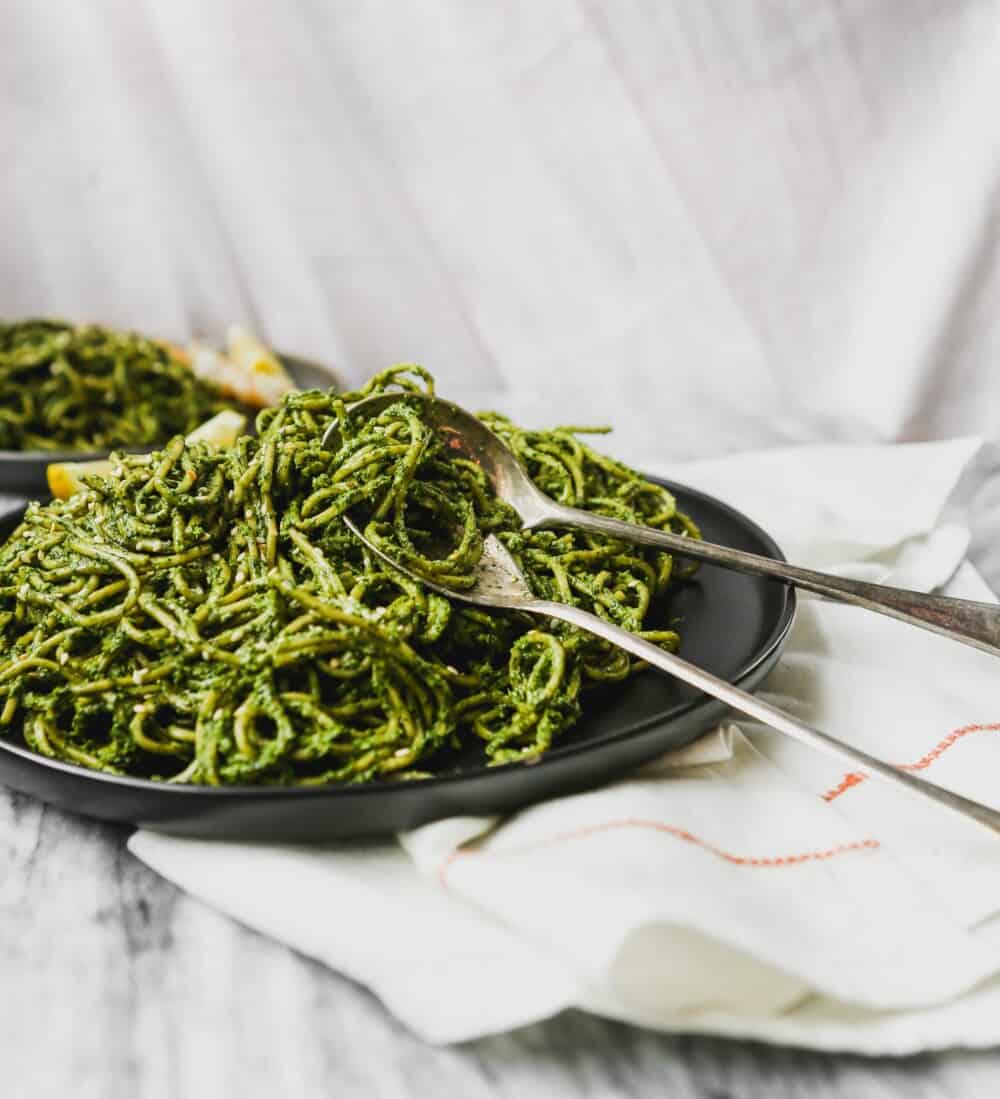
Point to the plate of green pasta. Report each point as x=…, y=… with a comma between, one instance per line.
x=196, y=642
x=75, y=392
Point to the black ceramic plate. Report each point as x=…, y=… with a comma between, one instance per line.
x=22, y=472
x=731, y=624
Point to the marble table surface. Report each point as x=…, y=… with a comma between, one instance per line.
x=116, y=986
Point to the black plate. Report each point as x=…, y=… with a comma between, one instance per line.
x=731, y=624
x=22, y=472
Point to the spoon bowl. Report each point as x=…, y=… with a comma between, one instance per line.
x=467, y=437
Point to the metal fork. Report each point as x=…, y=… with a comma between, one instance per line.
x=500, y=583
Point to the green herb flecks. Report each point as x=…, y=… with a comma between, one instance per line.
x=88, y=388
x=203, y=616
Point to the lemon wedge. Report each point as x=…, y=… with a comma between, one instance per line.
x=246, y=369
x=221, y=430
x=248, y=353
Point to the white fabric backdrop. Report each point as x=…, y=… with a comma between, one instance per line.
x=719, y=224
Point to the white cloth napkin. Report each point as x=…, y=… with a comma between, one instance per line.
x=746, y=887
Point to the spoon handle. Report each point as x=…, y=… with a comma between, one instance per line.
x=975, y=624
x=763, y=711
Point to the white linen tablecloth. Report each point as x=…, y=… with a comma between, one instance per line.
x=772, y=893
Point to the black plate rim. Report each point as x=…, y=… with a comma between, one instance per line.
x=552, y=758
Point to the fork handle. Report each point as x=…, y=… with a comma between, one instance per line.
x=972, y=623
x=763, y=711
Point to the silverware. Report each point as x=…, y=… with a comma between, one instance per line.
x=500, y=583
x=973, y=623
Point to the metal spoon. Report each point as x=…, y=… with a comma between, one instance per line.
x=973, y=623
x=500, y=583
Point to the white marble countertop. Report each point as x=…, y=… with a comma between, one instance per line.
x=720, y=225
x=115, y=985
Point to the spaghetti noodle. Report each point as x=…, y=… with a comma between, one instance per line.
x=204, y=616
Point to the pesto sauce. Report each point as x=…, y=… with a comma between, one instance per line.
x=204, y=617
x=84, y=387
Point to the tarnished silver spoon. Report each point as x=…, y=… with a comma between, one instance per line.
x=500, y=583
x=973, y=623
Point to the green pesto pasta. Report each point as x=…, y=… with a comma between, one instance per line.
x=88, y=388
x=204, y=616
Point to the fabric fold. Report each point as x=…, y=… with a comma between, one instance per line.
x=745, y=886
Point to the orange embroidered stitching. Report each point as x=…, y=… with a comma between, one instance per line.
x=765, y=861
x=852, y=778
x=855, y=778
